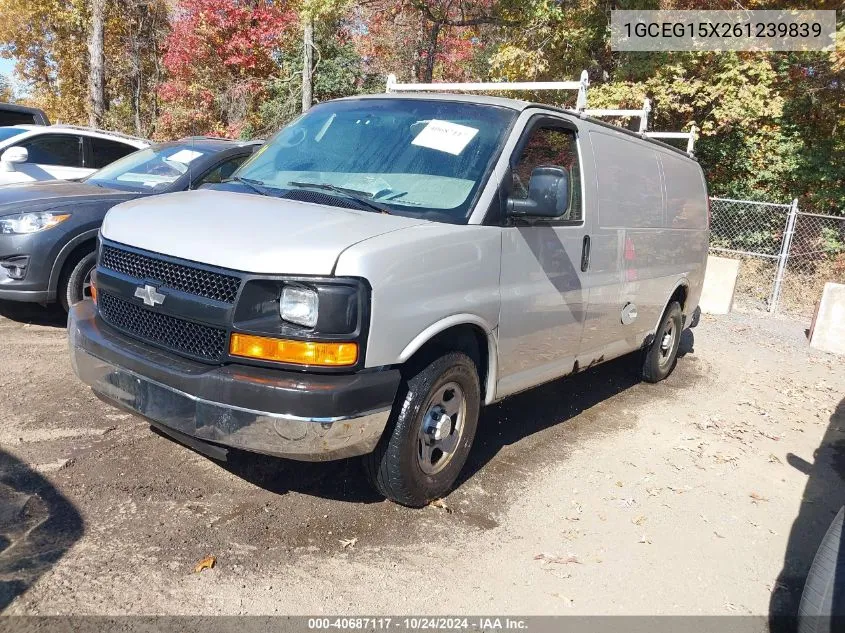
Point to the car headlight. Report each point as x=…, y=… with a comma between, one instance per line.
x=31, y=222
x=299, y=305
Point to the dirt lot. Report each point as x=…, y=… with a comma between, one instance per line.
x=591, y=495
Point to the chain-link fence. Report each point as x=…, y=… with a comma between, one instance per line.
x=752, y=232
x=786, y=256
x=815, y=249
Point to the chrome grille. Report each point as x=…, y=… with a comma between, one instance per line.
x=186, y=337
x=195, y=281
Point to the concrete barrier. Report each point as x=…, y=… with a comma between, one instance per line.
x=827, y=332
x=717, y=295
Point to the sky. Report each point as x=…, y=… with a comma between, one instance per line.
x=7, y=67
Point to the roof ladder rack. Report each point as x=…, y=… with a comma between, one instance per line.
x=690, y=137
x=581, y=86
x=641, y=113
x=580, y=104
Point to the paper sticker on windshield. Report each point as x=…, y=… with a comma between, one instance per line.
x=445, y=137
x=184, y=156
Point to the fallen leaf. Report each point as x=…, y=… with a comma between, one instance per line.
x=567, y=601
x=206, y=563
x=619, y=484
x=560, y=560
x=638, y=520
x=757, y=497
x=774, y=459
x=439, y=503
x=350, y=543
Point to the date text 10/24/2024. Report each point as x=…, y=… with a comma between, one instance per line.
x=421, y=623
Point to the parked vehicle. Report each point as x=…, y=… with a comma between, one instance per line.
x=13, y=114
x=35, y=152
x=48, y=230
x=399, y=262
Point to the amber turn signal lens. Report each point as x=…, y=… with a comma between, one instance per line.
x=94, y=286
x=295, y=352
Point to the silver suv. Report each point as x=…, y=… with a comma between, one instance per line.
x=381, y=269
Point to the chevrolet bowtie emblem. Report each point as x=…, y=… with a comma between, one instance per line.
x=149, y=295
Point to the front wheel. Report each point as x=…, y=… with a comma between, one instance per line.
x=430, y=432
x=75, y=283
x=662, y=355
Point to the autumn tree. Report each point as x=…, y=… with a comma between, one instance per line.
x=7, y=92
x=49, y=40
x=219, y=56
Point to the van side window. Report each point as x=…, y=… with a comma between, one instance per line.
x=551, y=146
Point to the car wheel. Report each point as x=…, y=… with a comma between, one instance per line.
x=75, y=284
x=662, y=355
x=430, y=432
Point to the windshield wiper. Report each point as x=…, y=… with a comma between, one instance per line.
x=255, y=185
x=363, y=198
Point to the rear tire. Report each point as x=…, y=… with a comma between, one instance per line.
x=662, y=355
x=75, y=282
x=430, y=432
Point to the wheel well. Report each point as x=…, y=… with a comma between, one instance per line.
x=680, y=295
x=79, y=251
x=467, y=338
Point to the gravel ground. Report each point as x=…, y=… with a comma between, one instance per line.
x=705, y=494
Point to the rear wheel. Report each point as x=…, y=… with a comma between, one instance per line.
x=75, y=282
x=430, y=434
x=662, y=355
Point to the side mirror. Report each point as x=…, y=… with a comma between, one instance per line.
x=548, y=194
x=12, y=156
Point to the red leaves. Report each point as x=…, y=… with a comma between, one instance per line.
x=225, y=32
x=219, y=52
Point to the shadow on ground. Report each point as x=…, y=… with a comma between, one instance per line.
x=823, y=496
x=500, y=425
x=51, y=315
x=37, y=526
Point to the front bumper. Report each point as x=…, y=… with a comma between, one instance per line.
x=311, y=417
x=41, y=251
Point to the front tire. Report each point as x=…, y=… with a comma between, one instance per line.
x=75, y=282
x=430, y=433
x=662, y=355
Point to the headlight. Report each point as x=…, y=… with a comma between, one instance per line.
x=31, y=222
x=299, y=305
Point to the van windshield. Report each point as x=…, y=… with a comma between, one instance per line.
x=415, y=157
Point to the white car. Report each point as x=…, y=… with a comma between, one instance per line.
x=67, y=152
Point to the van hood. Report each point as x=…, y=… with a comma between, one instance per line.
x=246, y=232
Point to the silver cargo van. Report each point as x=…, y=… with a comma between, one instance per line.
x=385, y=266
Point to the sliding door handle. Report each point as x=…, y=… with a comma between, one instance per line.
x=585, y=254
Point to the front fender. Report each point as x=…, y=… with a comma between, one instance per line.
x=424, y=278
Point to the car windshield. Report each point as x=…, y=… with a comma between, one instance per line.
x=416, y=157
x=151, y=169
x=8, y=132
